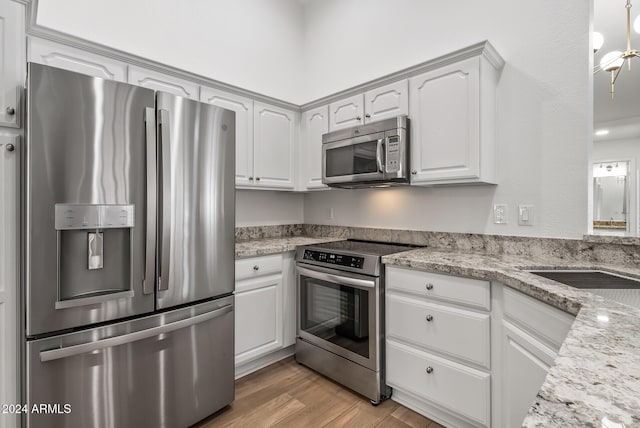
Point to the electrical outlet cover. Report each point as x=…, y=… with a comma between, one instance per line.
x=500, y=214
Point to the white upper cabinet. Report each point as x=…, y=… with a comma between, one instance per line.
x=387, y=101
x=244, y=129
x=347, y=112
x=274, y=146
x=376, y=104
x=61, y=56
x=13, y=62
x=314, y=123
x=162, y=82
x=452, y=111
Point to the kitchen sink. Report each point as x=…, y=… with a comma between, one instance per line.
x=589, y=279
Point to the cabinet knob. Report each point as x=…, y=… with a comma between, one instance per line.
x=10, y=147
x=368, y=116
x=257, y=178
x=414, y=172
x=429, y=370
x=358, y=118
x=250, y=178
x=256, y=268
x=11, y=111
x=429, y=286
x=429, y=318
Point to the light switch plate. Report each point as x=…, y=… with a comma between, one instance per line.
x=525, y=215
x=500, y=214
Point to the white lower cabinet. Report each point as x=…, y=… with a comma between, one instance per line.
x=264, y=311
x=527, y=337
x=440, y=381
x=438, y=345
x=464, y=352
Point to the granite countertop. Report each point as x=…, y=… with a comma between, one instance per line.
x=597, y=372
x=265, y=246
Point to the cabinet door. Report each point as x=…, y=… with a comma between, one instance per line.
x=273, y=140
x=13, y=62
x=161, y=82
x=9, y=197
x=445, y=130
x=347, y=112
x=244, y=129
x=314, y=123
x=387, y=101
x=258, y=327
x=50, y=53
x=526, y=363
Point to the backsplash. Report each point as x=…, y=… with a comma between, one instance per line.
x=570, y=249
x=262, y=232
x=590, y=249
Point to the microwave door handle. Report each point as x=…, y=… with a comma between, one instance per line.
x=165, y=223
x=379, y=154
x=150, y=244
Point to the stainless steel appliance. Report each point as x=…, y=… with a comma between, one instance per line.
x=129, y=254
x=340, y=331
x=372, y=155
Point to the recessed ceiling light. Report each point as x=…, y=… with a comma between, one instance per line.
x=601, y=132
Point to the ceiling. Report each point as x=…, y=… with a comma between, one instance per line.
x=610, y=20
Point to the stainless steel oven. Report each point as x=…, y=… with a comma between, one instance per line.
x=340, y=322
x=371, y=155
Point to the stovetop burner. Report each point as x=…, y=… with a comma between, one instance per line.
x=364, y=247
x=351, y=255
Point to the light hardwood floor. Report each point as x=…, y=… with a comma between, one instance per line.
x=286, y=394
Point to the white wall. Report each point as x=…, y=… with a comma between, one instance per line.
x=543, y=116
x=261, y=208
x=253, y=44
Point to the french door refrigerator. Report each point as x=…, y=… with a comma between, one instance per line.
x=128, y=238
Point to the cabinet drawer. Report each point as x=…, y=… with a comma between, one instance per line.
x=258, y=266
x=461, y=389
x=459, y=333
x=465, y=291
x=542, y=320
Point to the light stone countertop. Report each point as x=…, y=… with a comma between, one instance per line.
x=266, y=246
x=597, y=372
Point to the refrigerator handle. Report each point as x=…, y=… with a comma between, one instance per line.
x=164, y=232
x=84, y=348
x=150, y=245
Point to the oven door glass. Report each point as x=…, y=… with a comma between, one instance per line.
x=339, y=317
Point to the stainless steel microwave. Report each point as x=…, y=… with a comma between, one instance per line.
x=371, y=155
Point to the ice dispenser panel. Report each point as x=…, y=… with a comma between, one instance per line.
x=95, y=250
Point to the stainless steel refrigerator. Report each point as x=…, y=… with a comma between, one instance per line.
x=128, y=273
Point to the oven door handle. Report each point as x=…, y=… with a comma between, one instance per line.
x=338, y=279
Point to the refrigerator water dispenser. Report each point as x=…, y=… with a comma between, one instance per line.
x=95, y=253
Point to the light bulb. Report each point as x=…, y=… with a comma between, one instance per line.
x=611, y=61
x=597, y=40
x=636, y=24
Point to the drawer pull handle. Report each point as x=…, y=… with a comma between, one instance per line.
x=429, y=370
x=429, y=286
x=256, y=268
x=429, y=318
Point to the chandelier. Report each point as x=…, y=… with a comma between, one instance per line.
x=614, y=60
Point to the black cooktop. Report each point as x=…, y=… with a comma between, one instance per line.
x=363, y=247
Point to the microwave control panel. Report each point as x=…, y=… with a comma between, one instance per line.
x=392, y=154
x=334, y=259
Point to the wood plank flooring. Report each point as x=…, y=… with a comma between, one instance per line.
x=287, y=394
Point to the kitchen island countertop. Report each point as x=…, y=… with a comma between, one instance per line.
x=595, y=380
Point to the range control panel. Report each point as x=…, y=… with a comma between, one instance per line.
x=334, y=259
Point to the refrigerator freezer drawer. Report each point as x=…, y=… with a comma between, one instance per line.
x=167, y=370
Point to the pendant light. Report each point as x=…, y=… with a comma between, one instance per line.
x=613, y=61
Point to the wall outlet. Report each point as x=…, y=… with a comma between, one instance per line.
x=525, y=215
x=330, y=214
x=500, y=214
